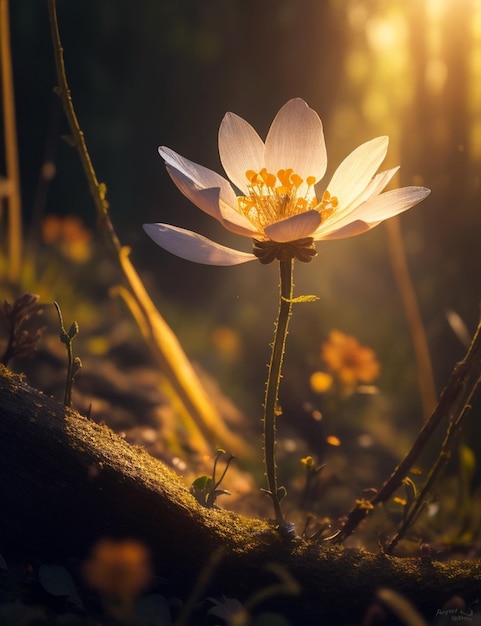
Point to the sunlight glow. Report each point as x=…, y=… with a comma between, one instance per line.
x=475, y=83
x=386, y=33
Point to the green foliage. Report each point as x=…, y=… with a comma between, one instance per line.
x=205, y=488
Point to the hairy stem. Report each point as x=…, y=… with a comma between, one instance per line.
x=271, y=407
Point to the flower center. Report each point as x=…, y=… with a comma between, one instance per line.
x=273, y=198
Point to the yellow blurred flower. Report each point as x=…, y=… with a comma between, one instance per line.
x=350, y=362
x=320, y=382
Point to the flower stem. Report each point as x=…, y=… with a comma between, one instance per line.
x=271, y=406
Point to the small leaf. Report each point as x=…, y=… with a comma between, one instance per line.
x=201, y=488
x=57, y=581
x=301, y=299
x=203, y=483
x=73, y=330
x=152, y=610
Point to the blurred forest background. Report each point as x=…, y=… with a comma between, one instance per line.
x=164, y=72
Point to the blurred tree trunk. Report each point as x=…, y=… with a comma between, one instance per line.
x=67, y=481
x=437, y=131
x=436, y=153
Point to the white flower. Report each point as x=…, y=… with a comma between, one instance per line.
x=282, y=205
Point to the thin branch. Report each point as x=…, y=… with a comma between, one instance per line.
x=98, y=190
x=454, y=401
x=12, y=188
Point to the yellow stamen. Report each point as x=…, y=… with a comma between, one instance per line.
x=274, y=197
x=327, y=205
x=267, y=178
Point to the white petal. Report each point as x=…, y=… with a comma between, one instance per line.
x=240, y=149
x=372, y=212
x=193, y=247
x=296, y=140
x=376, y=185
x=388, y=204
x=236, y=222
x=342, y=218
x=206, y=199
x=350, y=230
x=293, y=228
x=356, y=171
x=202, y=177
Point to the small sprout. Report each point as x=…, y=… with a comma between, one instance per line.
x=410, y=488
x=205, y=488
x=22, y=340
x=308, y=461
x=74, y=364
x=411, y=496
x=313, y=471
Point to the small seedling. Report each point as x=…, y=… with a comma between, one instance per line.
x=73, y=363
x=205, y=488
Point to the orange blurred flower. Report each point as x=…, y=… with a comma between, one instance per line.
x=227, y=341
x=350, y=362
x=119, y=569
x=69, y=235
